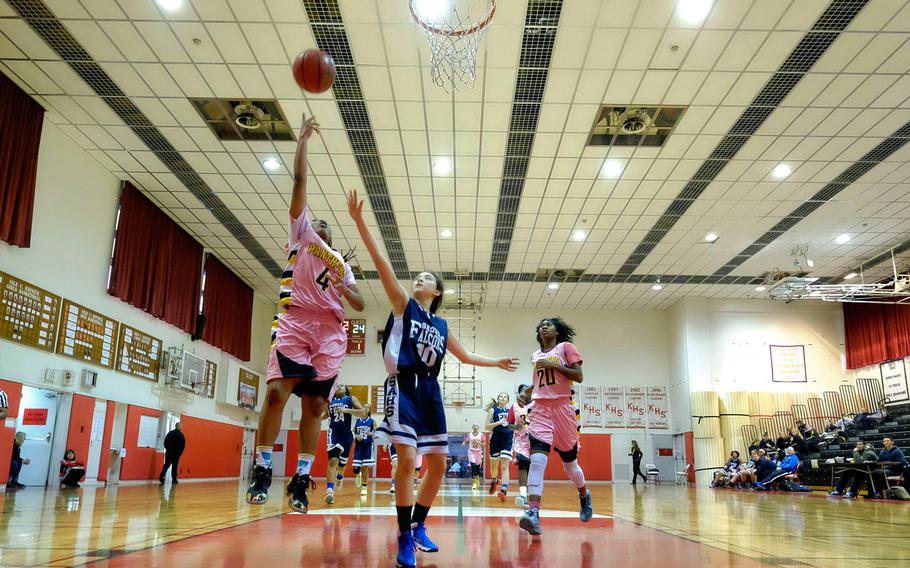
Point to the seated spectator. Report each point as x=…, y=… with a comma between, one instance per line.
x=763, y=466
x=781, y=444
x=809, y=435
x=786, y=467
x=862, y=453
x=16, y=462
x=722, y=476
x=71, y=471
x=877, y=417
x=862, y=420
x=745, y=475
x=796, y=440
x=894, y=464
x=766, y=443
x=832, y=434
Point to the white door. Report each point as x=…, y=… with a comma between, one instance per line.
x=93, y=461
x=622, y=461
x=246, y=455
x=37, y=416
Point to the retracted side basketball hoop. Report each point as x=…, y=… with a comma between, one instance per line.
x=454, y=29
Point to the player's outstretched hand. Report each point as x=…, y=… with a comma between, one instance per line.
x=309, y=127
x=355, y=206
x=508, y=364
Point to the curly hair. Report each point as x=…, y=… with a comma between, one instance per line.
x=564, y=331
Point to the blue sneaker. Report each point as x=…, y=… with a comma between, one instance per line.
x=587, y=511
x=421, y=540
x=406, y=557
x=530, y=521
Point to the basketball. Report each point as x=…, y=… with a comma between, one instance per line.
x=314, y=71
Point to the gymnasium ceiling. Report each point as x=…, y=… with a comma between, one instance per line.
x=818, y=85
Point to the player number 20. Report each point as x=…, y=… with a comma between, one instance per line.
x=546, y=376
x=427, y=354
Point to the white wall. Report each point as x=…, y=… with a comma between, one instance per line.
x=72, y=234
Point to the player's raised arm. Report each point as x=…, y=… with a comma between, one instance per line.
x=398, y=296
x=465, y=356
x=298, y=194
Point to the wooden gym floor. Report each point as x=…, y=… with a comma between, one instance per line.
x=209, y=524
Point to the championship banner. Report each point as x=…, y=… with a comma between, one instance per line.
x=614, y=407
x=592, y=413
x=635, y=407
x=658, y=414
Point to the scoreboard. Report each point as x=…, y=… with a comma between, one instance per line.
x=357, y=333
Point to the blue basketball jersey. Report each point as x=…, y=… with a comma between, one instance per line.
x=415, y=343
x=339, y=422
x=498, y=414
x=363, y=426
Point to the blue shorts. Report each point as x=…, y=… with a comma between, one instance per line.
x=414, y=414
x=339, y=446
x=363, y=454
x=501, y=446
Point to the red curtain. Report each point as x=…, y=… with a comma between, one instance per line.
x=874, y=333
x=20, y=135
x=156, y=265
x=228, y=309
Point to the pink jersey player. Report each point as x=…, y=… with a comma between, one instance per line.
x=476, y=441
x=521, y=443
x=557, y=366
x=308, y=336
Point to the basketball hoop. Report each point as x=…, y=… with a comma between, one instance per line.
x=453, y=29
x=459, y=405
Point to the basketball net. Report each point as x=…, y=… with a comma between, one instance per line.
x=454, y=29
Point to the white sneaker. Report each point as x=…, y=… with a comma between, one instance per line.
x=330, y=497
x=521, y=502
x=392, y=490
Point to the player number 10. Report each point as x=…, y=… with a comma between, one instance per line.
x=427, y=354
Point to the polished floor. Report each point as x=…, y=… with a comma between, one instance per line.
x=208, y=524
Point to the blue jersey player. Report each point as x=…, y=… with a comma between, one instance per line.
x=500, y=444
x=364, y=458
x=339, y=438
x=414, y=345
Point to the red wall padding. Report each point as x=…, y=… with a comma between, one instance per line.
x=79, y=434
x=14, y=394
x=594, y=457
x=213, y=449
x=106, y=440
x=139, y=463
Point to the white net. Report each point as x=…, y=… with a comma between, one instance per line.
x=454, y=30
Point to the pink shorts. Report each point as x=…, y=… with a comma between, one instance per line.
x=521, y=444
x=303, y=341
x=553, y=423
x=475, y=456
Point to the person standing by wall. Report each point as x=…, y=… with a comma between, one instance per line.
x=4, y=405
x=174, y=444
x=16, y=463
x=636, y=454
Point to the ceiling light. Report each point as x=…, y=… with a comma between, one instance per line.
x=657, y=287
x=450, y=291
x=810, y=263
x=841, y=239
x=694, y=11
x=612, y=169
x=432, y=10
x=442, y=167
x=553, y=286
x=760, y=288
x=170, y=5
x=851, y=276
x=579, y=235
x=781, y=171
x=271, y=164
x=711, y=237
x=446, y=234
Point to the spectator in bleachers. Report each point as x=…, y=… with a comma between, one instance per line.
x=786, y=467
x=897, y=465
x=862, y=453
x=810, y=435
x=832, y=434
x=782, y=442
x=763, y=465
x=745, y=475
x=796, y=440
x=766, y=443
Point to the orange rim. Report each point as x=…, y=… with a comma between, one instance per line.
x=456, y=33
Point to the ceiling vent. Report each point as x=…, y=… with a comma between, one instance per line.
x=634, y=126
x=558, y=274
x=236, y=119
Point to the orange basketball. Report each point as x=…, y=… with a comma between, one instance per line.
x=314, y=70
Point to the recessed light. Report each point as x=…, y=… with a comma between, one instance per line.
x=760, y=288
x=450, y=291
x=579, y=235
x=657, y=287
x=711, y=237
x=271, y=164
x=694, y=11
x=841, y=239
x=553, y=286
x=170, y=5
x=612, y=169
x=442, y=166
x=810, y=263
x=851, y=276
x=446, y=234
x=781, y=171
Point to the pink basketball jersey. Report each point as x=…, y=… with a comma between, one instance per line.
x=475, y=442
x=306, y=283
x=550, y=383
